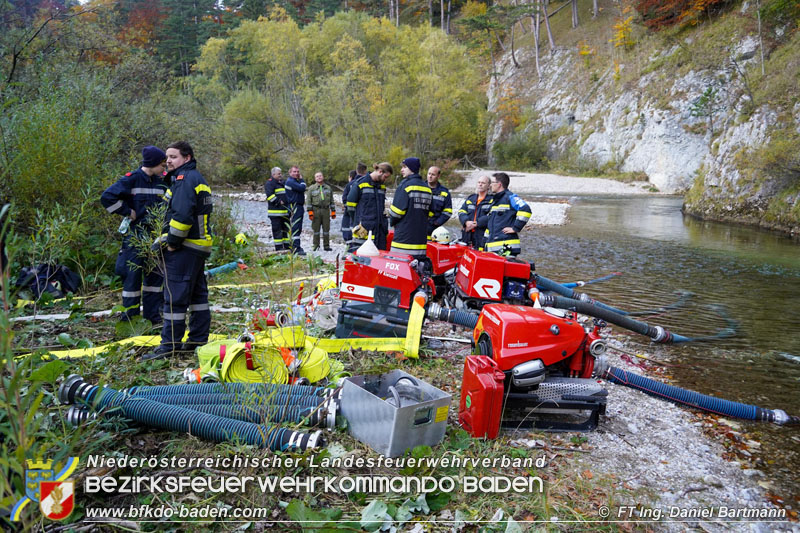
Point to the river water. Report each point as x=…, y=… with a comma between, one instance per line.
x=752, y=274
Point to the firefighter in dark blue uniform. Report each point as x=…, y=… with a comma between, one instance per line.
x=133, y=196
x=474, y=215
x=276, y=209
x=295, y=199
x=366, y=202
x=410, y=211
x=442, y=203
x=507, y=216
x=185, y=246
x=347, y=230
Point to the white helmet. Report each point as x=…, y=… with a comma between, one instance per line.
x=441, y=235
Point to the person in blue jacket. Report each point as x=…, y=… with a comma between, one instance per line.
x=347, y=230
x=410, y=211
x=295, y=199
x=366, y=202
x=442, y=203
x=277, y=209
x=185, y=247
x=507, y=216
x=132, y=197
x=474, y=214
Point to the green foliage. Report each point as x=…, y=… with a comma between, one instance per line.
x=224, y=230
x=523, y=150
x=340, y=90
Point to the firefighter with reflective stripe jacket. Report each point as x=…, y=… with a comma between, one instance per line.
x=508, y=215
x=474, y=215
x=132, y=197
x=277, y=209
x=410, y=210
x=295, y=198
x=347, y=230
x=441, y=202
x=366, y=203
x=185, y=247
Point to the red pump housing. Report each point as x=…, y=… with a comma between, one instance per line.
x=483, y=275
x=387, y=279
x=444, y=257
x=515, y=334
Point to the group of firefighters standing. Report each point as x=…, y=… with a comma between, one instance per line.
x=491, y=220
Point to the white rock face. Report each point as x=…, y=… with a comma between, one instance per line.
x=667, y=136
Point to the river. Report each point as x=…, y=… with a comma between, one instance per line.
x=753, y=274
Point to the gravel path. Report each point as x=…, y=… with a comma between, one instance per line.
x=551, y=184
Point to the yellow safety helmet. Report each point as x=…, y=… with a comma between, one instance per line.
x=240, y=238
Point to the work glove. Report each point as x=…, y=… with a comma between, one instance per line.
x=333, y=214
x=360, y=232
x=311, y=215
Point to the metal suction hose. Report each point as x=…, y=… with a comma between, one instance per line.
x=691, y=398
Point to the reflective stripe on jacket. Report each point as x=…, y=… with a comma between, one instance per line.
x=276, y=198
x=190, y=207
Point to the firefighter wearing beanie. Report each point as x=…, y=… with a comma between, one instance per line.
x=133, y=196
x=409, y=211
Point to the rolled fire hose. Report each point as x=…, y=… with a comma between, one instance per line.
x=691, y=398
x=203, y=425
x=656, y=333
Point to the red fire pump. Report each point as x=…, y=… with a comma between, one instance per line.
x=546, y=357
x=377, y=292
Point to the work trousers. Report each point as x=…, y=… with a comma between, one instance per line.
x=296, y=211
x=347, y=231
x=185, y=290
x=130, y=266
x=280, y=228
x=322, y=220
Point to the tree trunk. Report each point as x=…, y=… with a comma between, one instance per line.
x=547, y=25
x=449, y=6
x=430, y=12
x=574, y=13
x=441, y=15
x=513, y=54
x=595, y=11
x=536, y=28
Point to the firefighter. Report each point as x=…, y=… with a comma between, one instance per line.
x=321, y=209
x=295, y=198
x=185, y=247
x=347, y=230
x=277, y=210
x=132, y=197
x=442, y=202
x=410, y=211
x=507, y=216
x=366, y=203
x=474, y=215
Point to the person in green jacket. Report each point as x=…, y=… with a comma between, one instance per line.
x=321, y=209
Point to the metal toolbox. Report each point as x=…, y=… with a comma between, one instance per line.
x=394, y=412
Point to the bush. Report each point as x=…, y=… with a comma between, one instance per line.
x=522, y=151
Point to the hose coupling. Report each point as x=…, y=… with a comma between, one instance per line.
x=77, y=415
x=662, y=336
x=601, y=366
x=74, y=389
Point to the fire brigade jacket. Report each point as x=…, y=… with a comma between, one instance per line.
x=473, y=211
x=135, y=191
x=345, y=193
x=276, y=198
x=190, y=206
x=295, y=191
x=409, y=214
x=507, y=210
x=441, y=207
x=320, y=196
x=366, y=203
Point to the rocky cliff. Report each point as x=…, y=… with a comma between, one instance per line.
x=691, y=109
